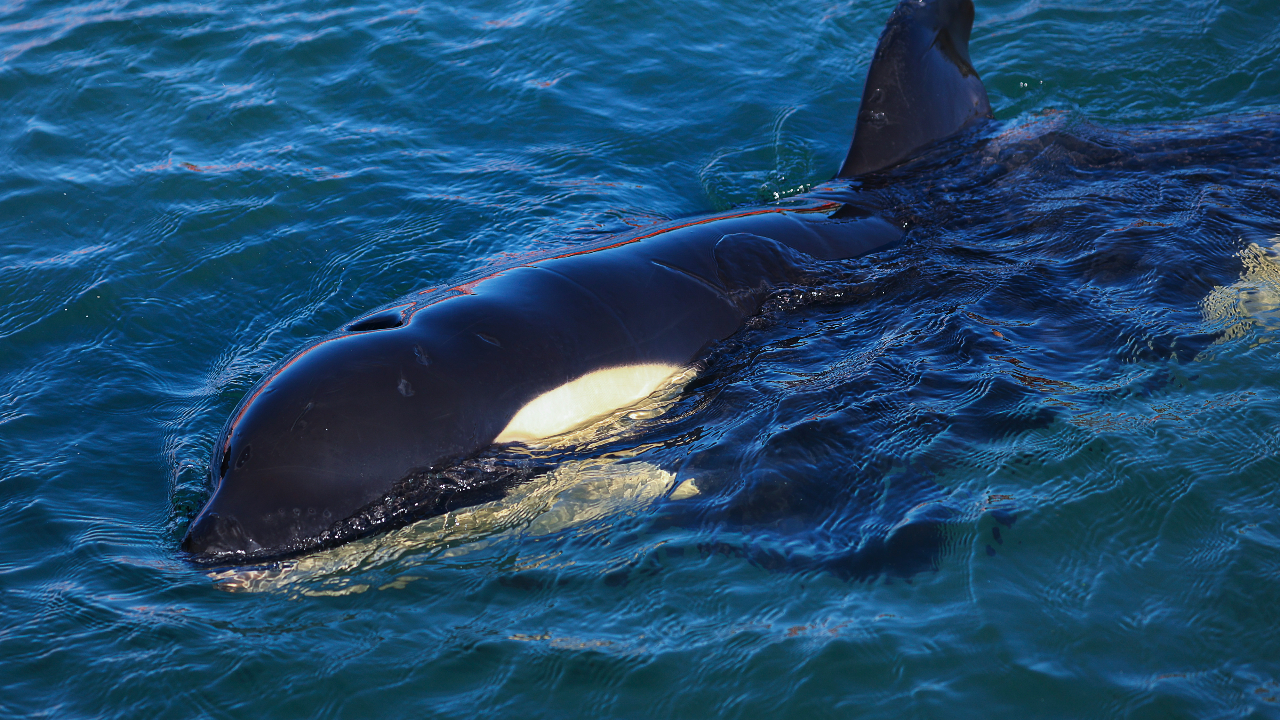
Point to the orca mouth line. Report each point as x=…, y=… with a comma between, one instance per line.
x=214, y=540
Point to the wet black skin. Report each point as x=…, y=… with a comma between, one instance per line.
x=921, y=86
x=437, y=376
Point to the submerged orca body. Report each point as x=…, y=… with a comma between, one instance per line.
x=536, y=348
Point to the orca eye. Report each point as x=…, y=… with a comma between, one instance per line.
x=244, y=457
x=423, y=357
x=378, y=321
x=226, y=460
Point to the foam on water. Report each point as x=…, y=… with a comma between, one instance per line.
x=1251, y=305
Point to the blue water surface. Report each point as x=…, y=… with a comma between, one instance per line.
x=1067, y=369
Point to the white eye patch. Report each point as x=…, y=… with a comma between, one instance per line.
x=584, y=399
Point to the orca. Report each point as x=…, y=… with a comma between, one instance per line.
x=530, y=349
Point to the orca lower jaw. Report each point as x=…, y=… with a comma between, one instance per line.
x=218, y=539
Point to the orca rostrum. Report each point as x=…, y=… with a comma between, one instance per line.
x=541, y=346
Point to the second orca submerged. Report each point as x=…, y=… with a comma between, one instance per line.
x=542, y=346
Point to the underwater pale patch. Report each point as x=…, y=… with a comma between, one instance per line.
x=577, y=494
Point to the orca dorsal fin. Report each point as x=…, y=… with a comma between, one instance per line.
x=921, y=87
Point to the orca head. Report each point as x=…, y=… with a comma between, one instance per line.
x=330, y=432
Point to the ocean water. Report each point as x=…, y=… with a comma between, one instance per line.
x=1070, y=363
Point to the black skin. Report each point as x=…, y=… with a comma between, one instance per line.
x=436, y=378
x=337, y=428
x=921, y=86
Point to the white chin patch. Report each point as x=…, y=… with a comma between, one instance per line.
x=587, y=398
